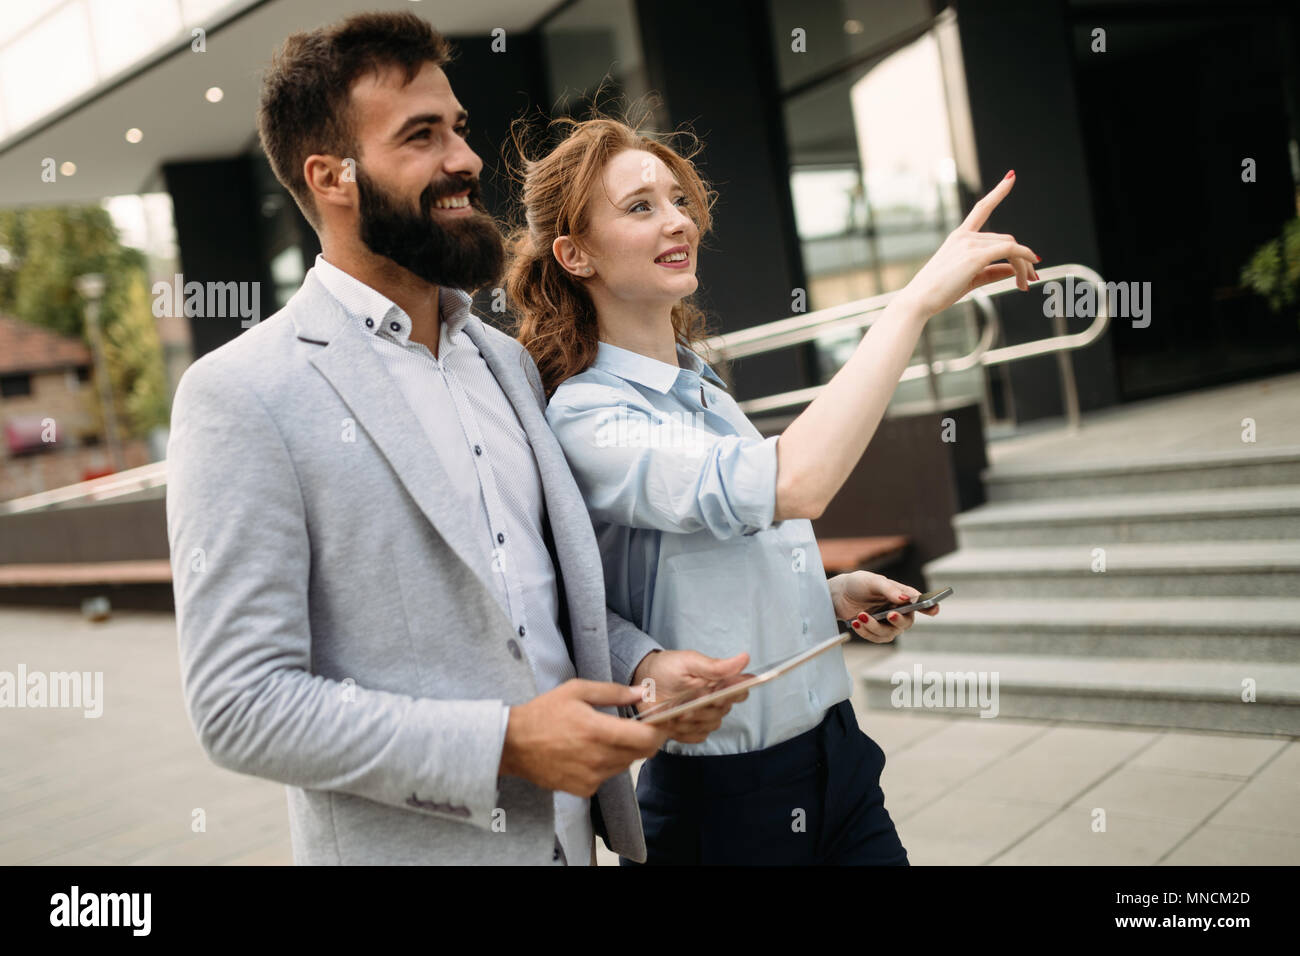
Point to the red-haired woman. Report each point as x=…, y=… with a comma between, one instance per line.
x=704, y=525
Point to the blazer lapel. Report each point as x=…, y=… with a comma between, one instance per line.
x=349, y=362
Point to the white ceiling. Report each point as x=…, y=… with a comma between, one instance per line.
x=166, y=101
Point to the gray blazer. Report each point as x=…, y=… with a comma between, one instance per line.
x=331, y=636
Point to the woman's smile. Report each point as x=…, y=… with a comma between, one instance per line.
x=678, y=257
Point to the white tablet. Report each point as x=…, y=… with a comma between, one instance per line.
x=734, y=686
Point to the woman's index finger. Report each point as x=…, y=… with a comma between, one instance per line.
x=981, y=211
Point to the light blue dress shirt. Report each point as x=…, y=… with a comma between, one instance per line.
x=682, y=490
x=467, y=417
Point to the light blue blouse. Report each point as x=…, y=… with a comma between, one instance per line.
x=682, y=491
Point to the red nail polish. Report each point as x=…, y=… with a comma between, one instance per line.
x=863, y=617
x=1009, y=174
x=893, y=615
x=854, y=623
x=1037, y=257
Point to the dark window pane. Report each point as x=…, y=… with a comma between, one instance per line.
x=15, y=385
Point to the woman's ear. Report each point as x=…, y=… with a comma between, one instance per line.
x=570, y=257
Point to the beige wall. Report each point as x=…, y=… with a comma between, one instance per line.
x=71, y=409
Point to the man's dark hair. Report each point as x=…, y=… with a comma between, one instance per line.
x=305, y=106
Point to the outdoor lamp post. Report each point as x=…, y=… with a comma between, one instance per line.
x=91, y=288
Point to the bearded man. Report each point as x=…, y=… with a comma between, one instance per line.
x=389, y=596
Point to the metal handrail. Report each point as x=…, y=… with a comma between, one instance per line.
x=784, y=333
x=757, y=340
x=96, y=489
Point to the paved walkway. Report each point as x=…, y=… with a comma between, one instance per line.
x=122, y=788
x=1207, y=420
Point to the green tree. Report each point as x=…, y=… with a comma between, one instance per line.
x=46, y=249
x=134, y=355
x=1274, y=270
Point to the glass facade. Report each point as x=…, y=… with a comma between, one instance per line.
x=881, y=155
x=594, y=45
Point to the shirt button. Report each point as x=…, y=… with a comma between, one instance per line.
x=394, y=326
x=513, y=646
x=501, y=538
x=370, y=323
x=521, y=630
x=478, y=449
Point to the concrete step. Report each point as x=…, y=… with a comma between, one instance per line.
x=1182, y=628
x=1229, y=569
x=1158, y=692
x=1220, y=514
x=1249, y=467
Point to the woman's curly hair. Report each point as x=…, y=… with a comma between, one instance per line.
x=555, y=319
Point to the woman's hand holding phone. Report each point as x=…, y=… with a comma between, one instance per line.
x=856, y=594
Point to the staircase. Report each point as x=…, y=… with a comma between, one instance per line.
x=1198, y=602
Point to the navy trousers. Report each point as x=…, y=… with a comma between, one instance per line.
x=812, y=800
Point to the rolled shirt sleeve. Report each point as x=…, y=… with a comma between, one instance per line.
x=643, y=468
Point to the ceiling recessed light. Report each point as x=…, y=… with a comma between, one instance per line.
x=214, y=94
x=852, y=26
x=133, y=135
x=69, y=168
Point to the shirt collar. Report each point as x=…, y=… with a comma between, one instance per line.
x=650, y=372
x=375, y=312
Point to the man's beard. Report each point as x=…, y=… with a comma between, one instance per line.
x=465, y=252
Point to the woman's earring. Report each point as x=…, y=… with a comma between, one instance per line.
x=587, y=271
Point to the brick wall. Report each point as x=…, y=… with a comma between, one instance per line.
x=58, y=395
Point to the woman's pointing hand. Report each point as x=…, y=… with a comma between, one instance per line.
x=969, y=258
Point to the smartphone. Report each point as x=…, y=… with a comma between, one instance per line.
x=920, y=604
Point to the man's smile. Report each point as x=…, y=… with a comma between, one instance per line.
x=457, y=204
